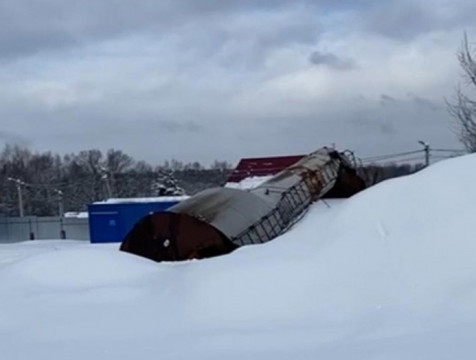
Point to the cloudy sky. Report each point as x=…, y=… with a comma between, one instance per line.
x=221, y=79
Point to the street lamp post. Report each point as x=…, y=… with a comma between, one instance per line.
x=19, y=184
x=61, y=212
x=60, y=202
x=105, y=175
x=426, y=147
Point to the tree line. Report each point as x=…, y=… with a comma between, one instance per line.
x=46, y=179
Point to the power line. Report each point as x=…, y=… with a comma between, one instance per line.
x=449, y=150
x=388, y=161
x=389, y=156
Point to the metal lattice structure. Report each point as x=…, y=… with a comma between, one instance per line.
x=292, y=192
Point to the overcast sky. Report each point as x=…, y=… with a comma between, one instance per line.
x=221, y=79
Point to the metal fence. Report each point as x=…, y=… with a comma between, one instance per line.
x=14, y=229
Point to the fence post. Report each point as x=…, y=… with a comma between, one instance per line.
x=62, y=231
x=32, y=234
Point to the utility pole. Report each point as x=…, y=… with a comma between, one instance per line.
x=105, y=175
x=19, y=184
x=60, y=202
x=60, y=212
x=426, y=147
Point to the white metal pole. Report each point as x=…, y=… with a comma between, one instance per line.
x=60, y=203
x=427, y=152
x=20, y=200
x=19, y=184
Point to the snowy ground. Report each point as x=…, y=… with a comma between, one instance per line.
x=388, y=274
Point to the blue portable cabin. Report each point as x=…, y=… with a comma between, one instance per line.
x=111, y=220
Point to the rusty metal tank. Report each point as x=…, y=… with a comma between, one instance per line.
x=218, y=220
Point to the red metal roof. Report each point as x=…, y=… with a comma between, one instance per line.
x=262, y=166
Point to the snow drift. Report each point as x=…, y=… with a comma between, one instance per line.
x=387, y=274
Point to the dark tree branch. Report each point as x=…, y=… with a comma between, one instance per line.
x=463, y=109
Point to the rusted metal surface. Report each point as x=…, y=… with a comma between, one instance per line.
x=348, y=183
x=168, y=236
x=218, y=220
x=228, y=210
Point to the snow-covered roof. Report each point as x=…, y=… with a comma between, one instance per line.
x=143, y=200
x=77, y=215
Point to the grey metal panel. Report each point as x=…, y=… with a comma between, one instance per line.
x=3, y=229
x=47, y=228
x=228, y=210
x=77, y=229
x=319, y=163
x=18, y=229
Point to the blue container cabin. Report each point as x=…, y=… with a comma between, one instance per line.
x=111, y=221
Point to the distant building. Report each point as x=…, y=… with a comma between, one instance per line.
x=250, y=170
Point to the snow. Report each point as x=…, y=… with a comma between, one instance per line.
x=388, y=274
x=143, y=200
x=76, y=215
x=249, y=182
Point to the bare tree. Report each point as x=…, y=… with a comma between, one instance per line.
x=117, y=162
x=463, y=109
x=221, y=165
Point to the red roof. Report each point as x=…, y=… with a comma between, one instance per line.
x=262, y=166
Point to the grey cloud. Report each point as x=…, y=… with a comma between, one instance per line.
x=386, y=100
x=177, y=100
x=398, y=19
x=244, y=42
x=422, y=102
x=207, y=132
x=13, y=138
x=387, y=128
x=176, y=126
x=372, y=122
x=107, y=125
x=331, y=60
x=406, y=19
x=426, y=103
x=14, y=44
x=28, y=27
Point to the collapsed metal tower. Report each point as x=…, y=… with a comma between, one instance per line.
x=218, y=220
